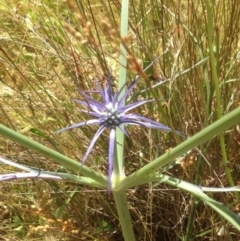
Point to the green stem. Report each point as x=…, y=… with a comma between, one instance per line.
x=120, y=199
x=190, y=225
x=65, y=161
x=118, y=172
x=217, y=90
x=191, y=220
x=119, y=162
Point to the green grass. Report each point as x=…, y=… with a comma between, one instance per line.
x=48, y=52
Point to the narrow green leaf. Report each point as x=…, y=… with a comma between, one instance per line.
x=222, y=210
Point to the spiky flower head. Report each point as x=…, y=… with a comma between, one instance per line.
x=110, y=114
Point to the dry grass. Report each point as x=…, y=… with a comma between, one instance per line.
x=48, y=52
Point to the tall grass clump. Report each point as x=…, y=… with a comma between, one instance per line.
x=132, y=182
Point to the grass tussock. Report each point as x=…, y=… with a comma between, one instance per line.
x=50, y=49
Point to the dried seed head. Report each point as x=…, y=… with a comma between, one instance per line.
x=71, y=5
x=78, y=36
x=135, y=65
x=80, y=19
x=109, y=30
x=70, y=29
x=127, y=39
x=84, y=42
x=88, y=24
x=113, y=34
x=105, y=25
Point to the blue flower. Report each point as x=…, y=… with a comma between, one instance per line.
x=112, y=113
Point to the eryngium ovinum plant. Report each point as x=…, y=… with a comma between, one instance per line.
x=112, y=114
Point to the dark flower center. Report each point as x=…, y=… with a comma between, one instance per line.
x=113, y=117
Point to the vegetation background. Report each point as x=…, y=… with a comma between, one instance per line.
x=50, y=49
